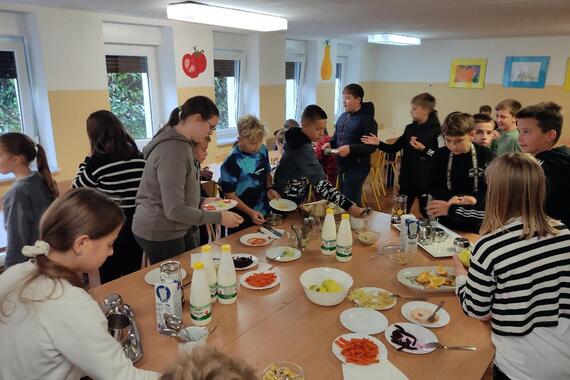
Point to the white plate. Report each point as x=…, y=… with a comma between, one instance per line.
x=363, y=321
x=245, y=284
x=441, y=249
x=382, y=350
x=252, y=265
x=274, y=252
x=421, y=334
x=221, y=205
x=410, y=306
x=282, y=204
x=152, y=277
x=245, y=238
x=407, y=278
x=376, y=291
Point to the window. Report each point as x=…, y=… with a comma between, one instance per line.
x=293, y=85
x=16, y=110
x=339, y=83
x=132, y=80
x=228, y=79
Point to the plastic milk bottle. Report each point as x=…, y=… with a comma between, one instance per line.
x=200, y=299
x=344, y=240
x=328, y=234
x=210, y=270
x=227, y=280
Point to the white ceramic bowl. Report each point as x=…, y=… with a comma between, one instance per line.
x=316, y=276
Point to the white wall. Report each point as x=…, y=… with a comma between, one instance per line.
x=431, y=61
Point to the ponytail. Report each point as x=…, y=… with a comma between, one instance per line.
x=201, y=105
x=43, y=169
x=19, y=144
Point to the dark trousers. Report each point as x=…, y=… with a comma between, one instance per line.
x=351, y=181
x=127, y=254
x=412, y=195
x=498, y=374
x=157, y=251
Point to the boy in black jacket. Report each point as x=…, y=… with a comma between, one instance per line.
x=457, y=180
x=353, y=161
x=300, y=167
x=540, y=127
x=419, y=142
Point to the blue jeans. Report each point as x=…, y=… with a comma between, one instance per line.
x=351, y=181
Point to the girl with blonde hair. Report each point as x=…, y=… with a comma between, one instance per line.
x=519, y=277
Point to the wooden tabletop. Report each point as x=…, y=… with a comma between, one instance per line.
x=282, y=324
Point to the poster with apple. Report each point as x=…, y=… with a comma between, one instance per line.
x=194, y=64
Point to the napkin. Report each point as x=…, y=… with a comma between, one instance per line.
x=382, y=370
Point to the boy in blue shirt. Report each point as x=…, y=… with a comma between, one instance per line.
x=245, y=175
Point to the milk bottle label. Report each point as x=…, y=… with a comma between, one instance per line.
x=200, y=313
x=328, y=247
x=168, y=297
x=344, y=252
x=213, y=290
x=227, y=292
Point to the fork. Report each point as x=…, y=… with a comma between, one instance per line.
x=439, y=345
x=431, y=318
x=408, y=297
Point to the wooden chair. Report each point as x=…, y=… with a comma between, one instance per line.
x=375, y=179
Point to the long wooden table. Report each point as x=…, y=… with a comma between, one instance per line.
x=282, y=324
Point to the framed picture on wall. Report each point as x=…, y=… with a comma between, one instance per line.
x=467, y=73
x=528, y=72
x=567, y=76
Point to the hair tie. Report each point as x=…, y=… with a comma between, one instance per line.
x=179, y=113
x=40, y=247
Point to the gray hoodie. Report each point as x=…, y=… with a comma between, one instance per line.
x=168, y=198
x=23, y=207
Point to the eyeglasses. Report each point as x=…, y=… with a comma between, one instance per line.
x=212, y=127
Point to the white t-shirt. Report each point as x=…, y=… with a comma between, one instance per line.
x=62, y=337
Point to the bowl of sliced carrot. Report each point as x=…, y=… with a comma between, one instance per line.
x=259, y=280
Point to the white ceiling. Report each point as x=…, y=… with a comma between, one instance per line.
x=354, y=19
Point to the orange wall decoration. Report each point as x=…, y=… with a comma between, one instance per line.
x=326, y=66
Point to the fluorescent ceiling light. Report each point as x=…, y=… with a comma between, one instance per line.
x=231, y=18
x=393, y=39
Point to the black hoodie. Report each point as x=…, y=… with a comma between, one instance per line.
x=416, y=165
x=349, y=129
x=556, y=165
x=300, y=167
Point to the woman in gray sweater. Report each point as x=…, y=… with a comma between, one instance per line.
x=168, y=201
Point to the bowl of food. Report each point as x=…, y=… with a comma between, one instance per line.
x=367, y=237
x=397, y=254
x=326, y=286
x=283, y=371
x=274, y=219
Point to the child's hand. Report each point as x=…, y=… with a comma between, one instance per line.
x=272, y=194
x=438, y=208
x=463, y=200
x=326, y=146
x=231, y=219
x=495, y=135
x=371, y=139
x=344, y=150
x=416, y=144
x=256, y=217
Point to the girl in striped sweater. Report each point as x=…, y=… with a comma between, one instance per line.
x=114, y=167
x=519, y=277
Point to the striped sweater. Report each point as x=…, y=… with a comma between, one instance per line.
x=119, y=180
x=520, y=284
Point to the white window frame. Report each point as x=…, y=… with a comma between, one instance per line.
x=338, y=92
x=300, y=58
x=229, y=136
x=150, y=53
x=28, y=113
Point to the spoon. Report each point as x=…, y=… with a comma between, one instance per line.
x=431, y=318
